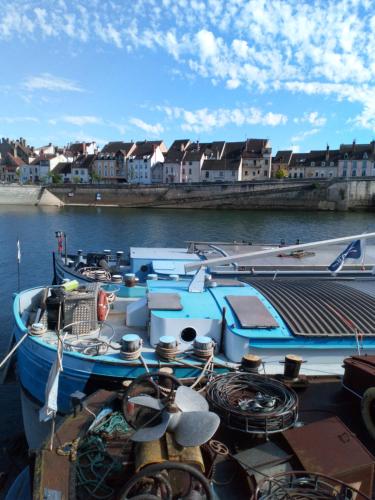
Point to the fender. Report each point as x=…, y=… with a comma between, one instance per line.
x=368, y=410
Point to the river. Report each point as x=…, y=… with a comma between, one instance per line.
x=117, y=229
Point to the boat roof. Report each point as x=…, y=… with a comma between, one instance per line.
x=159, y=253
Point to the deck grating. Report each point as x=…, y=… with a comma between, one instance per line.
x=320, y=307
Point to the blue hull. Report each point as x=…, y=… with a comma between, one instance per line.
x=83, y=373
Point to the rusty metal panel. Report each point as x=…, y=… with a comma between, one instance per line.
x=251, y=312
x=330, y=448
x=359, y=373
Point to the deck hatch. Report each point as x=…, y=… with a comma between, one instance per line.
x=251, y=312
x=164, y=302
x=320, y=307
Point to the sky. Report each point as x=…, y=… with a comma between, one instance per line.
x=300, y=73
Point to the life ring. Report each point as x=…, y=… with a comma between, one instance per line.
x=103, y=306
x=368, y=410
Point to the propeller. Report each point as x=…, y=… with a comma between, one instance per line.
x=186, y=416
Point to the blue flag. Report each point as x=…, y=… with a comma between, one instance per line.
x=352, y=251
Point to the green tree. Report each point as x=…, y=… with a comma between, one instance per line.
x=55, y=178
x=76, y=179
x=281, y=173
x=95, y=177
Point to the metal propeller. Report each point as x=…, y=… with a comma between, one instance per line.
x=187, y=417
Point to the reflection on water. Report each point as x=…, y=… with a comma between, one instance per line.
x=116, y=228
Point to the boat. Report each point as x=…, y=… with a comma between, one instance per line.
x=145, y=262
x=190, y=326
x=272, y=438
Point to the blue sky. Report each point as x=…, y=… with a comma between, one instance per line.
x=300, y=73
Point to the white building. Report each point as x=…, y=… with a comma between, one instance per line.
x=256, y=160
x=39, y=170
x=141, y=161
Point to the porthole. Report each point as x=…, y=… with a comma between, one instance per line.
x=188, y=334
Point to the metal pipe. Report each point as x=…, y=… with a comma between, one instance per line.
x=276, y=250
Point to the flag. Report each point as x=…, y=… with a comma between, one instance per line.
x=49, y=409
x=18, y=252
x=352, y=251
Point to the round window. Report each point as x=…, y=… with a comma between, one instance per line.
x=188, y=334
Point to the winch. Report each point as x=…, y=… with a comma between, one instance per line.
x=203, y=347
x=167, y=347
x=131, y=346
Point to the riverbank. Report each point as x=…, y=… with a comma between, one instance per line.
x=286, y=194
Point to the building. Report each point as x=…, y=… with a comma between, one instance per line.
x=17, y=149
x=75, y=149
x=49, y=149
x=142, y=159
x=40, y=169
x=280, y=163
x=174, y=170
x=221, y=170
x=356, y=160
x=9, y=168
x=256, y=160
x=322, y=163
x=111, y=165
x=297, y=165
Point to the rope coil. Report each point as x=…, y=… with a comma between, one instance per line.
x=166, y=353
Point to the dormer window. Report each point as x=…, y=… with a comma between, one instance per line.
x=346, y=156
x=365, y=156
x=313, y=163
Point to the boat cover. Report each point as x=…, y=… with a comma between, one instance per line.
x=251, y=312
x=164, y=302
x=320, y=307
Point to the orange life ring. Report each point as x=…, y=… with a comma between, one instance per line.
x=103, y=306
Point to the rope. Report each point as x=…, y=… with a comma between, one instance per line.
x=94, y=465
x=131, y=356
x=166, y=353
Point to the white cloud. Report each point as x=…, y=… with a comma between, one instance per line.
x=46, y=81
x=302, y=135
x=155, y=129
x=309, y=47
x=205, y=120
x=81, y=120
x=18, y=119
x=313, y=117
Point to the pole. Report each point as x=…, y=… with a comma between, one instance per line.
x=65, y=250
x=10, y=353
x=18, y=265
x=275, y=250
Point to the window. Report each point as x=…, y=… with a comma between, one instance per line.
x=301, y=175
x=76, y=172
x=363, y=172
x=183, y=171
x=323, y=163
x=166, y=170
x=345, y=163
x=233, y=173
x=354, y=164
x=253, y=173
x=221, y=174
x=246, y=172
x=265, y=173
x=316, y=174
x=344, y=173
x=145, y=161
x=354, y=173
x=207, y=174
x=190, y=172
x=331, y=164
x=312, y=163
x=364, y=164
x=190, y=162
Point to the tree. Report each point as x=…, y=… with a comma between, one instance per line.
x=55, y=178
x=95, y=177
x=76, y=179
x=281, y=173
